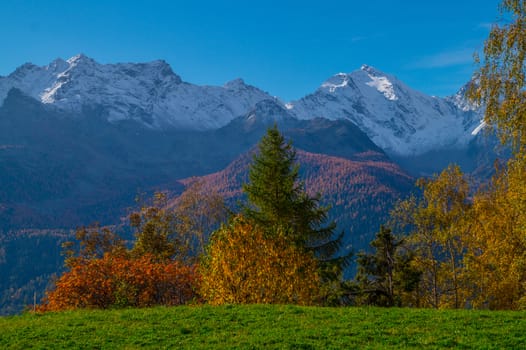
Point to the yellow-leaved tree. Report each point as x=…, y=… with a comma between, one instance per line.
x=438, y=225
x=501, y=78
x=496, y=258
x=247, y=265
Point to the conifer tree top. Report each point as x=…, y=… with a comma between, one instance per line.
x=277, y=198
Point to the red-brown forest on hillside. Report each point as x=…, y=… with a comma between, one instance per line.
x=360, y=192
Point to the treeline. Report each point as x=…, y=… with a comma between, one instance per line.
x=444, y=249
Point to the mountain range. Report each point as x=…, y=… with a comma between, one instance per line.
x=80, y=140
x=398, y=119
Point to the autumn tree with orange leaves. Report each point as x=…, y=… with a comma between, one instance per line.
x=121, y=281
x=103, y=273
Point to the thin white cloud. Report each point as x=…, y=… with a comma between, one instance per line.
x=355, y=39
x=486, y=25
x=445, y=59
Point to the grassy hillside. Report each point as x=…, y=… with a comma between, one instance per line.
x=265, y=326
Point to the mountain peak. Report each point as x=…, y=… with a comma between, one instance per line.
x=159, y=64
x=235, y=84
x=79, y=59
x=371, y=70
x=365, y=76
x=270, y=107
x=160, y=69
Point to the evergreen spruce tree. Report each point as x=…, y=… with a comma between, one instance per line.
x=386, y=273
x=277, y=202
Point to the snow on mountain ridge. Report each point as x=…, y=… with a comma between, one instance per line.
x=381, y=83
x=337, y=81
x=150, y=93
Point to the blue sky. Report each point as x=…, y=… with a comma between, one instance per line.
x=287, y=48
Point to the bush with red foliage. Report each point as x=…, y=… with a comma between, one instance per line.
x=123, y=281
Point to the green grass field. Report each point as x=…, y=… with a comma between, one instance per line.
x=265, y=327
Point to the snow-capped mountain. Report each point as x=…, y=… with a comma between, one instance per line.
x=150, y=93
x=400, y=120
